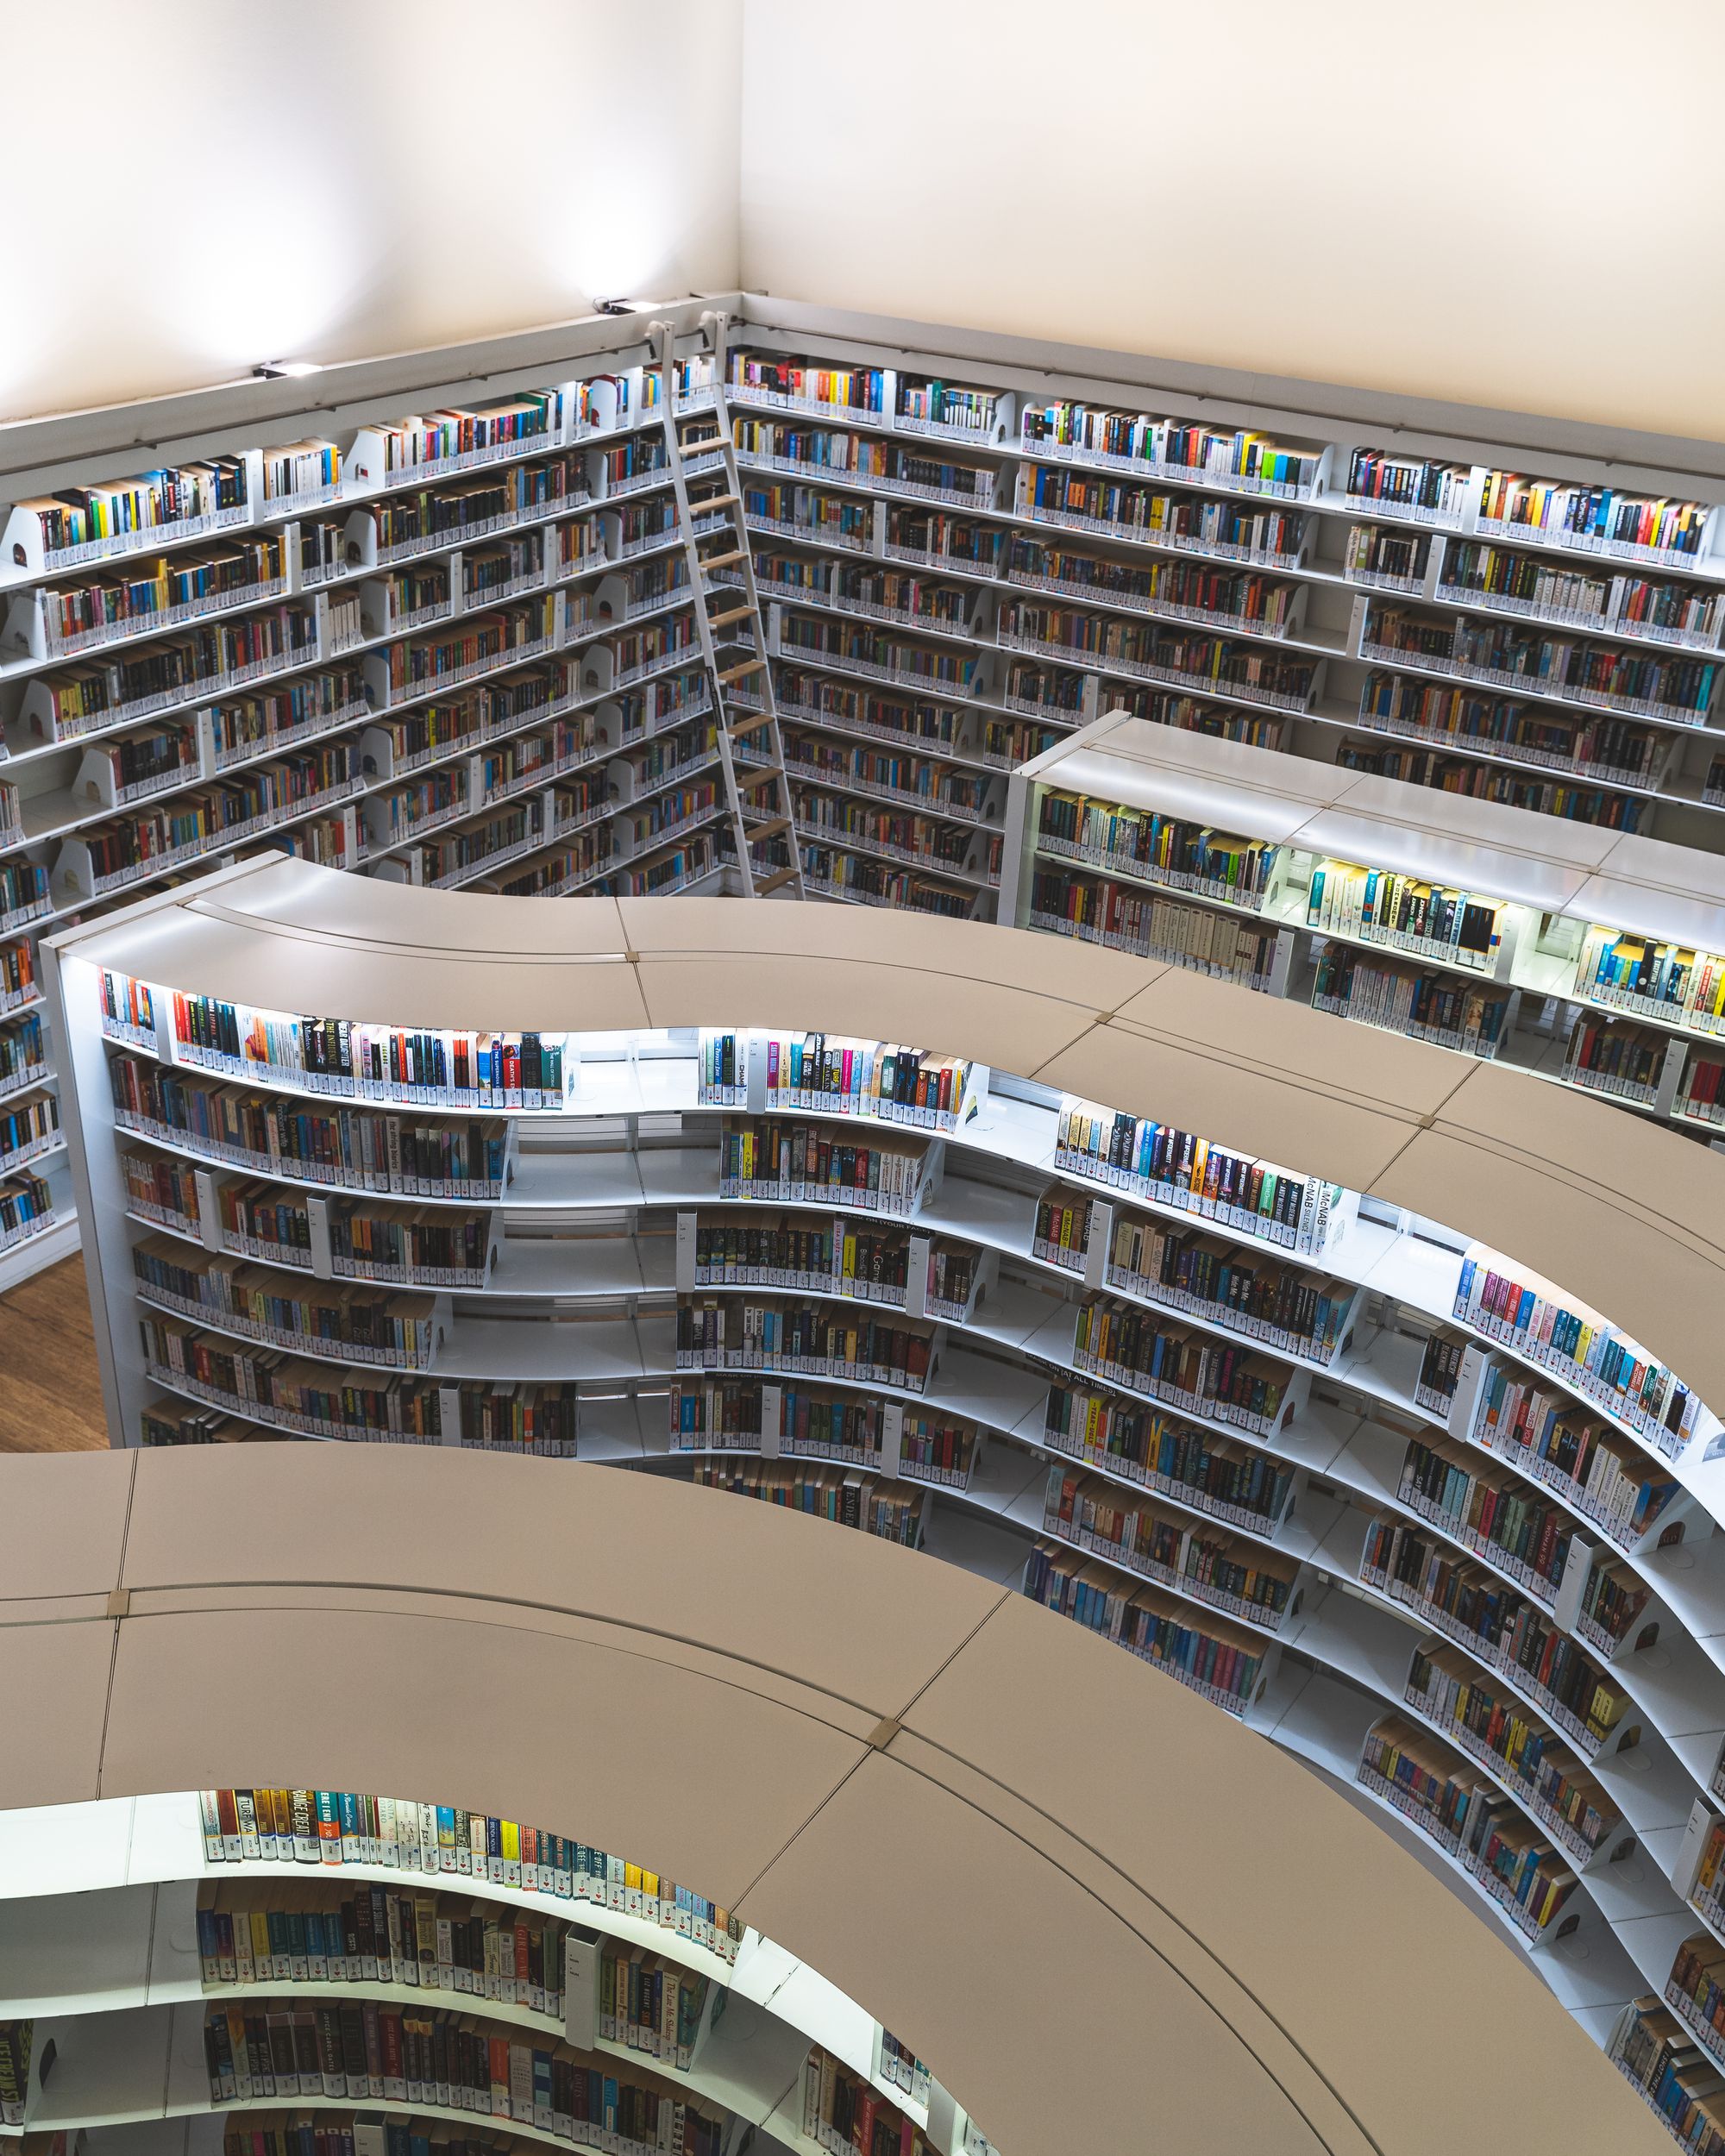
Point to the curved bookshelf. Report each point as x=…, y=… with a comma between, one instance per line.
x=1560, y=1650
x=872, y=1758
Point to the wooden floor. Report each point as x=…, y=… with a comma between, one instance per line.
x=50, y=1394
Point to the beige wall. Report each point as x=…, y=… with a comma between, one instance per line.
x=198, y=184
x=1408, y=197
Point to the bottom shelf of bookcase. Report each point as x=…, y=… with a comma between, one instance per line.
x=37, y=1252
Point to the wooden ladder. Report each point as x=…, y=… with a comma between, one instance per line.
x=702, y=456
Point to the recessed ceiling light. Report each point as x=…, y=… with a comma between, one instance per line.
x=266, y=370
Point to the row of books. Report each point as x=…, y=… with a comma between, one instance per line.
x=1493, y=1725
x=335, y=1826
x=1126, y=918
x=844, y=2114
x=353, y=1323
x=1616, y=751
x=1482, y=1507
x=891, y=1510
x=23, y=1052
x=27, y=1208
x=1491, y=782
x=68, y=702
x=890, y=594
x=741, y=1415
x=1170, y=849
x=309, y=1141
x=1425, y=1006
x=29, y=1127
x=1153, y=653
x=860, y=881
x=1646, y=606
x=789, y=1162
x=1249, y=1489
x=1500, y=1629
x=266, y=1386
x=365, y=2050
x=1223, y=1663
x=1193, y=523
x=805, y=1339
x=1470, y=1820
x=1154, y=1160
x=858, y=460
x=459, y=1068
x=1596, y=1470
x=1538, y=1322
x=823, y=817
x=310, y=1931
x=207, y=819
x=1611, y=1057
x=1186, y=591
x=948, y=787
x=1655, y=979
x=873, y=1264
x=1678, y=689
x=1251, y=1581
x=100, y=608
x=1294, y=1311
x=1656, y=2053
x=1407, y=913
x=1140, y=1351
x=1191, y=449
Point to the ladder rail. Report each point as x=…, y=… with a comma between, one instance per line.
x=752, y=750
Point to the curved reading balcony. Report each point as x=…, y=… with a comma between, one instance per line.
x=1230, y=1339
x=925, y=1789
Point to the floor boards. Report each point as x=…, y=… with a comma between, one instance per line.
x=50, y=1392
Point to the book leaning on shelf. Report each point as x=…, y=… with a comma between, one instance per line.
x=336, y=1828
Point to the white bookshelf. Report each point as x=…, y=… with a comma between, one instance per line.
x=873, y=840
x=98, y=1912
x=66, y=782
x=1565, y=921
x=595, y=1235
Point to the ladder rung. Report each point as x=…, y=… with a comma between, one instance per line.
x=770, y=829
x=711, y=501
x=738, y=728
x=736, y=614
x=705, y=447
x=779, y=876
x=723, y=560
x=736, y=674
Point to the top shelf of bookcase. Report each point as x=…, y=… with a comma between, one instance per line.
x=1629, y=1218
x=857, y=1749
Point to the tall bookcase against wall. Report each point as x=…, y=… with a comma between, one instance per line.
x=443, y=629
x=1384, y=1495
